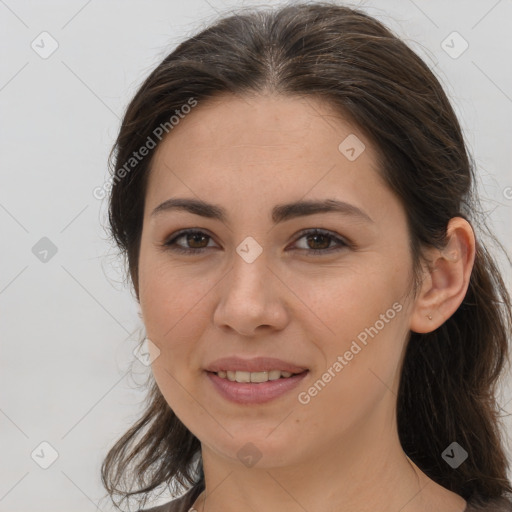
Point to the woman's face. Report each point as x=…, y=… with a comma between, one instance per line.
x=259, y=284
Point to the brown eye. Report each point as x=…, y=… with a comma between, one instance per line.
x=194, y=241
x=319, y=242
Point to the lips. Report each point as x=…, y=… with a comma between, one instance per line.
x=249, y=393
x=258, y=364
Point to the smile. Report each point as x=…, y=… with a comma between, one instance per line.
x=254, y=387
x=242, y=376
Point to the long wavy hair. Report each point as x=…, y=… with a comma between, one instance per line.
x=449, y=377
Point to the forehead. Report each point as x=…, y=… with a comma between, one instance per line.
x=265, y=147
x=233, y=131
x=261, y=120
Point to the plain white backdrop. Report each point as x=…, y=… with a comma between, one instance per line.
x=68, y=323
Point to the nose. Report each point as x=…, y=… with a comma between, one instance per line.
x=251, y=299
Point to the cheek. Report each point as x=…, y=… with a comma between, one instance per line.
x=172, y=312
x=360, y=361
x=364, y=321
x=173, y=306
x=353, y=299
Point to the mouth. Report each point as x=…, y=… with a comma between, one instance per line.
x=251, y=388
x=256, y=380
x=255, y=377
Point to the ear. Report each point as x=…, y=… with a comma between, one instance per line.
x=446, y=280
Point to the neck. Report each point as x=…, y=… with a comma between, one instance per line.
x=366, y=470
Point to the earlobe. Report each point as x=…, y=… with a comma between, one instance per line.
x=446, y=279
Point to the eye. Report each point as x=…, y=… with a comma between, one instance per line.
x=321, y=240
x=198, y=240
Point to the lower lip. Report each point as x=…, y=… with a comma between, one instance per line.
x=257, y=392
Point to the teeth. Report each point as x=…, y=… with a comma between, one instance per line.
x=240, y=376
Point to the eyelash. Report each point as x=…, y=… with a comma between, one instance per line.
x=171, y=243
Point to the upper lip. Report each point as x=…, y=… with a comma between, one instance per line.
x=257, y=364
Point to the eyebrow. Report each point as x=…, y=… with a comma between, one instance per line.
x=280, y=213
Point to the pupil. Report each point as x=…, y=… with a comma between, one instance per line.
x=193, y=237
x=326, y=238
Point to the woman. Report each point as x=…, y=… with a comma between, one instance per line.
x=326, y=329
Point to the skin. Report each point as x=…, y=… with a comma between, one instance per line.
x=341, y=450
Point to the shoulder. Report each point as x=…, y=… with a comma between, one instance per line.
x=181, y=504
x=498, y=505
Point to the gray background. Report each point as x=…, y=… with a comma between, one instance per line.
x=69, y=325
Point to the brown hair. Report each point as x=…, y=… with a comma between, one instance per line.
x=350, y=60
